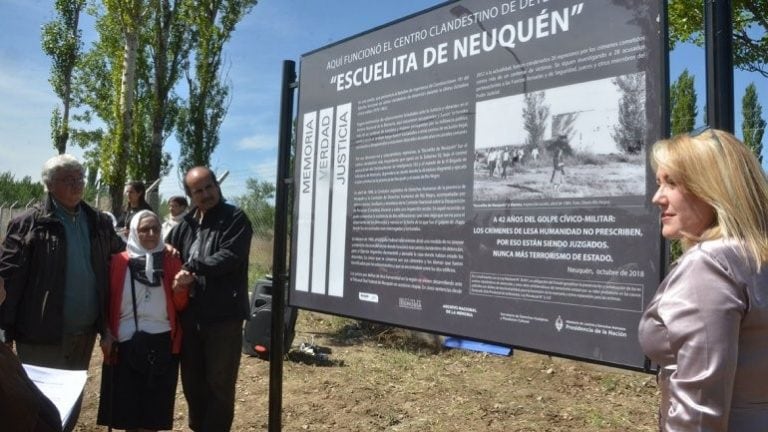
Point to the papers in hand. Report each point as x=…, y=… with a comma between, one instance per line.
x=62, y=387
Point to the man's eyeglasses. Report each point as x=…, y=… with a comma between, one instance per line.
x=72, y=182
x=703, y=129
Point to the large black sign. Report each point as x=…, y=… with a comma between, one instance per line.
x=480, y=170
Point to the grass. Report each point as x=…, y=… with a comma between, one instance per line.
x=260, y=257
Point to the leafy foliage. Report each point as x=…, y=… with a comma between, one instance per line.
x=259, y=205
x=683, y=103
x=19, y=192
x=212, y=23
x=750, y=30
x=62, y=41
x=560, y=142
x=629, y=134
x=753, y=126
x=170, y=41
x=535, y=115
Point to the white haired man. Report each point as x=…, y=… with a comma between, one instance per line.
x=55, y=262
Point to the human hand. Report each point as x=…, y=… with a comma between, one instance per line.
x=107, y=345
x=172, y=250
x=182, y=279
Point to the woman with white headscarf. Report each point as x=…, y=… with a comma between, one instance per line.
x=141, y=359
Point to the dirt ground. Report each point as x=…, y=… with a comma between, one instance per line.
x=383, y=379
x=532, y=181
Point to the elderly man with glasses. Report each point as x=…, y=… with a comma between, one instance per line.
x=55, y=262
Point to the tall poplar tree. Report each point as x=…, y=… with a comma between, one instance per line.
x=212, y=22
x=113, y=84
x=629, y=133
x=169, y=43
x=683, y=102
x=62, y=41
x=130, y=15
x=535, y=116
x=753, y=125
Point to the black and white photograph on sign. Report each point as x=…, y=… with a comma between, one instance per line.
x=480, y=169
x=576, y=141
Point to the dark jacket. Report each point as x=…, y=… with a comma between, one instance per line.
x=23, y=407
x=33, y=262
x=124, y=220
x=221, y=291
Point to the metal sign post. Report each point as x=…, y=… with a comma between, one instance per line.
x=718, y=31
x=279, y=274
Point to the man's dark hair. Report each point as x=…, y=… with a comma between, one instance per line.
x=180, y=200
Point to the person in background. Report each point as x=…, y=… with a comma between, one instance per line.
x=493, y=157
x=707, y=325
x=142, y=299
x=558, y=166
x=177, y=208
x=214, y=239
x=135, y=193
x=506, y=161
x=55, y=262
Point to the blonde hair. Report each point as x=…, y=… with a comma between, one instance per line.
x=719, y=169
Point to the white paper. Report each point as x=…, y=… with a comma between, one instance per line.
x=62, y=387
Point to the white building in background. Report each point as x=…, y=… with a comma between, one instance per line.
x=591, y=130
x=595, y=105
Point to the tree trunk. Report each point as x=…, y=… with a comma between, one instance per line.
x=128, y=83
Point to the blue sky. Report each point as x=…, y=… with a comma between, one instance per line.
x=276, y=30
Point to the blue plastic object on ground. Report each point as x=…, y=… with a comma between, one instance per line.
x=451, y=342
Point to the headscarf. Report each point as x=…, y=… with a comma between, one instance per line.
x=146, y=265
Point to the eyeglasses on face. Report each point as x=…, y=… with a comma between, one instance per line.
x=148, y=229
x=72, y=182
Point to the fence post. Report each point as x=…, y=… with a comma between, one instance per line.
x=2, y=222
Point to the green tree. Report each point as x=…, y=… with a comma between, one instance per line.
x=629, y=133
x=169, y=40
x=682, y=96
x=114, y=85
x=129, y=15
x=62, y=41
x=753, y=126
x=535, y=115
x=750, y=30
x=258, y=204
x=99, y=80
x=18, y=193
x=212, y=23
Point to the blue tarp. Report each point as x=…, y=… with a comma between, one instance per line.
x=451, y=342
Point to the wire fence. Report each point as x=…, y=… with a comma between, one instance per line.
x=10, y=210
x=261, y=244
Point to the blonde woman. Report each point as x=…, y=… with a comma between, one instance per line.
x=707, y=326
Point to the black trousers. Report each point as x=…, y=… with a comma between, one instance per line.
x=210, y=359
